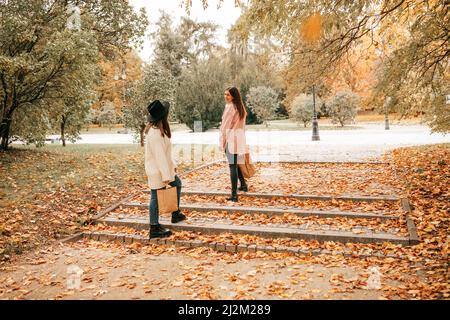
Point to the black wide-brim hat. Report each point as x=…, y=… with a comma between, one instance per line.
x=157, y=110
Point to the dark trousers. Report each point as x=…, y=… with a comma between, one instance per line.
x=153, y=207
x=235, y=171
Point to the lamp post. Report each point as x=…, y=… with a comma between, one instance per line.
x=122, y=77
x=373, y=24
x=388, y=99
x=311, y=32
x=315, y=123
x=386, y=118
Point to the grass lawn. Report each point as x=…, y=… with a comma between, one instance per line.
x=289, y=125
x=325, y=123
x=53, y=167
x=98, y=130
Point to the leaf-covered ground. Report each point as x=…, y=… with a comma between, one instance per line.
x=117, y=271
x=44, y=202
x=426, y=172
x=305, y=178
x=51, y=192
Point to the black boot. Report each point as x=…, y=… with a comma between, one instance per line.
x=243, y=186
x=234, y=179
x=156, y=231
x=177, y=216
x=233, y=197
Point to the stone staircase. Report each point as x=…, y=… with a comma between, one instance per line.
x=348, y=217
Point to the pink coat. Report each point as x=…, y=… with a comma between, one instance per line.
x=232, y=131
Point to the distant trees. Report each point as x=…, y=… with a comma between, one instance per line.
x=91, y=117
x=202, y=70
x=72, y=116
x=263, y=101
x=45, y=63
x=184, y=57
x=253, y=62
x=107, y=115
x=177, y=48
x=156, y=83
x=200, y=94
x=116, y=74
x=414, y=64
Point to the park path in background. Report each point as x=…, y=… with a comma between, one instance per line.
x=367, y=140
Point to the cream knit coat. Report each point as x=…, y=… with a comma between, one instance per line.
x=159, y=164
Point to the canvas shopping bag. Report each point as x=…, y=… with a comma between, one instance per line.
x=167, y=199
x=247, y=168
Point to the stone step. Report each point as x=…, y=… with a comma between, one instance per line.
x=295, y=196
x=297, y=160
x=127, y=238
x=260, y=230
x=271, y=211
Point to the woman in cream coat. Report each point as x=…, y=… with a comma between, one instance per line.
x=159, y=164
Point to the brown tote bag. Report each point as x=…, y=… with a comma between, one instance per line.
x=167, y=199
x=247, y=168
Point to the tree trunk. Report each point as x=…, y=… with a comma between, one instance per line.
x=267, y=124
x=5, y=127
x=4, y=133
x=63, y=124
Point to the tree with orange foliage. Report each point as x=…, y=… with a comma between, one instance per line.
x=415, y=72
x=116, y=74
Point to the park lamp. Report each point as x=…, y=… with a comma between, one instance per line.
x=310, y=32
x=381, y=54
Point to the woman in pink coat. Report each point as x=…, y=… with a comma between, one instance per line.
x=232, y=138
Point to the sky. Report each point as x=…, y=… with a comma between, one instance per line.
x=225, y=17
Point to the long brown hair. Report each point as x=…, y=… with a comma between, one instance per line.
x=162, y=125
x=237, y=100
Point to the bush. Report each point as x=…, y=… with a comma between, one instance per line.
x=302, y=108
x=343, y=107
x=263, y=101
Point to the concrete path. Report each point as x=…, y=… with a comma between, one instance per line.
x=368, y=140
